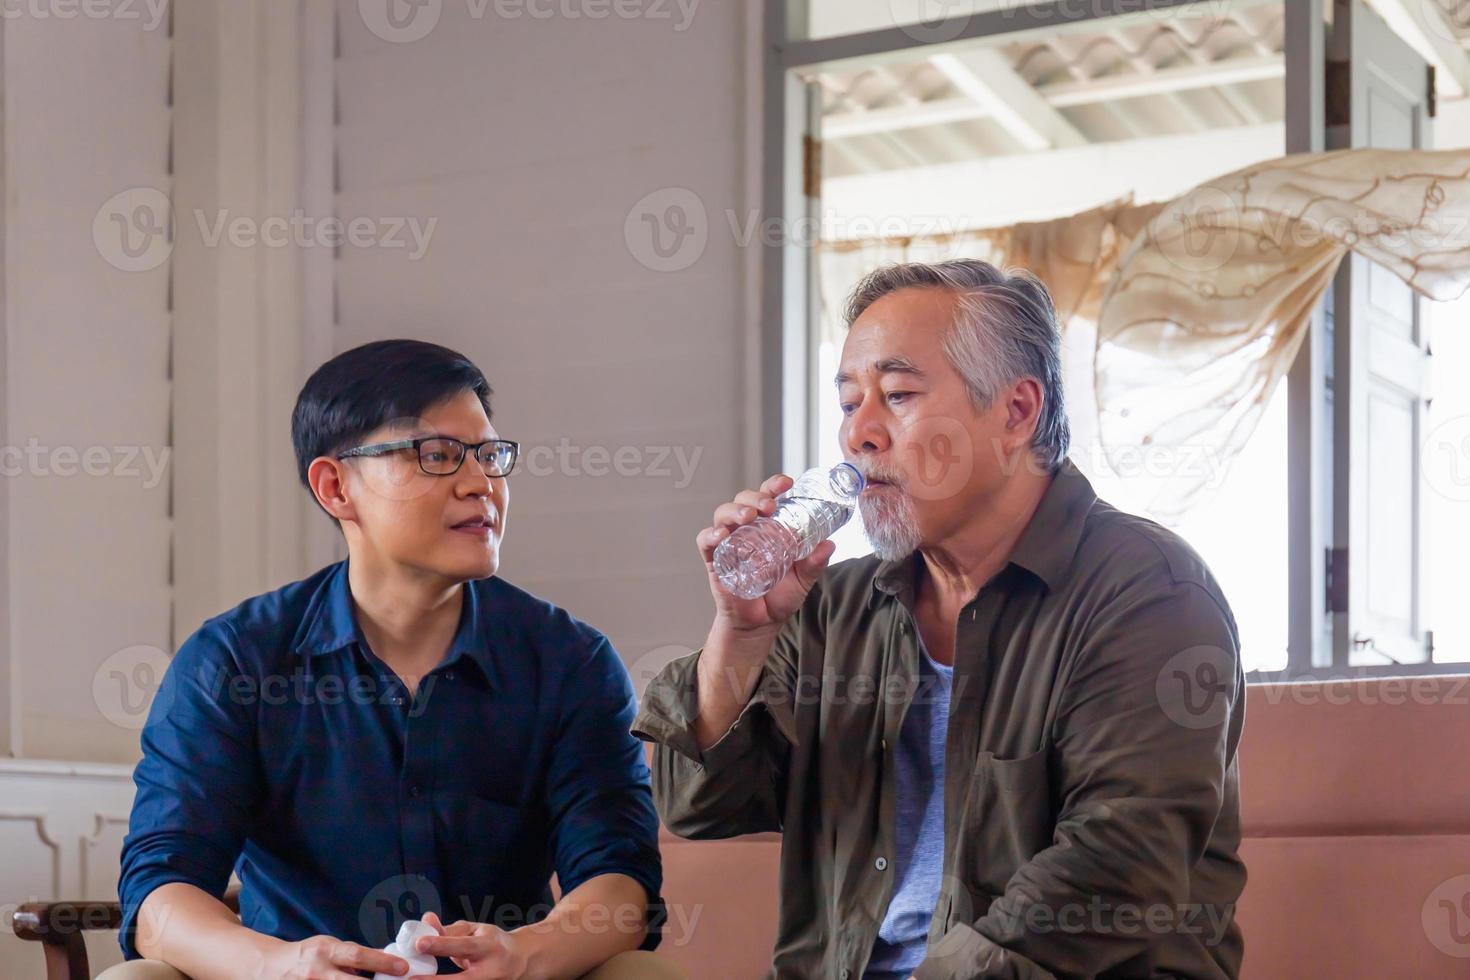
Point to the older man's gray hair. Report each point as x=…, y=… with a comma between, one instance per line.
x=1006, y=329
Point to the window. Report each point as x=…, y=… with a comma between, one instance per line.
x=965, y=119
x=1447, y=481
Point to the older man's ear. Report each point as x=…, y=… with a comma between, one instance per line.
x=1023, y=403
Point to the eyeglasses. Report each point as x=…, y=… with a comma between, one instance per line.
x=443, y=456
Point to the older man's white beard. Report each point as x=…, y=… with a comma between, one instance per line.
x=889, y=523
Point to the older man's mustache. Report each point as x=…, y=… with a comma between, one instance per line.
x=878, y=473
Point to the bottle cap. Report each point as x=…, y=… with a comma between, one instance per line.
x=847, y=479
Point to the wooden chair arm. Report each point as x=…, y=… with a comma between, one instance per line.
x=49, y=922
x=58, y=927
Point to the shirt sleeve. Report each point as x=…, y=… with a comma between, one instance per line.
x=198, y=783
x=737, y=785
x=603, y=819
x=1146, y=739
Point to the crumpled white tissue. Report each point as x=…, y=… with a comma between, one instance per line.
x=419, y=964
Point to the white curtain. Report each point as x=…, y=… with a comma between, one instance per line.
x=1209, y=306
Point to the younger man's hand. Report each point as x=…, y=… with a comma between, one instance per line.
x=327, y=958
x=483, y=952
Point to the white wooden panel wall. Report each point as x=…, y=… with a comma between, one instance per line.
x=86, y=404
x=86, y=109
x=529, y=141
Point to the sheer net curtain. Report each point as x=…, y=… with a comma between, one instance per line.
x=1209, y=306
x=1179, y=321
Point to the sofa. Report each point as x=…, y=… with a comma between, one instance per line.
x=1356, y=815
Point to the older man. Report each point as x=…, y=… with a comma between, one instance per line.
x=984, y=745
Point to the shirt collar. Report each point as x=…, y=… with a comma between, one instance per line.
x=1046, y=547
x=330, y=624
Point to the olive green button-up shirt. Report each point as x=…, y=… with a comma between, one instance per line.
x=1091, y=808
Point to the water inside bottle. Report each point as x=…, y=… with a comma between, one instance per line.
x=811, y=521
x=755, y=557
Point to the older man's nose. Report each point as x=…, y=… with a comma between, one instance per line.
x=866, y=435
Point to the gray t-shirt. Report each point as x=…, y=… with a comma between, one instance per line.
x=918, y=834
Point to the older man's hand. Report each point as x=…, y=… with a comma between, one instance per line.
x=763, y=615
x=745, y=630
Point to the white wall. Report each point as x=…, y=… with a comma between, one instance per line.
x=84, y=499
x=87, y=116
x=239, y=348
x=148, y=375
x=533, y=144
x=529, y=141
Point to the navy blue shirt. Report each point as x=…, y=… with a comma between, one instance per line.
x=280, y=747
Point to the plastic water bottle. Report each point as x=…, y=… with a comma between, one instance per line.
x=756, y=556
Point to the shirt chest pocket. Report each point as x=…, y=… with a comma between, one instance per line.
x=1007, y=818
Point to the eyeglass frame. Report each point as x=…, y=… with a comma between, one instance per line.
x=416, y=444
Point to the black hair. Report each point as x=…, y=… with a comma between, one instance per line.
x=363, y=389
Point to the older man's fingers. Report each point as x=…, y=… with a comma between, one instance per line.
x=777, y=485
x=763, y=502
x=708, y=540
x=732, y=515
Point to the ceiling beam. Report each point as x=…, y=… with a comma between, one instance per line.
x=866, y=122
x=992, y=192
x=986, y=77
x=1231, y=71
x=1057, y=95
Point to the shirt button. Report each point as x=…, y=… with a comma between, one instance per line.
x=449, y=675
x=846, y=973
x=415, y=791
x=881, y=864
x=398, y=700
